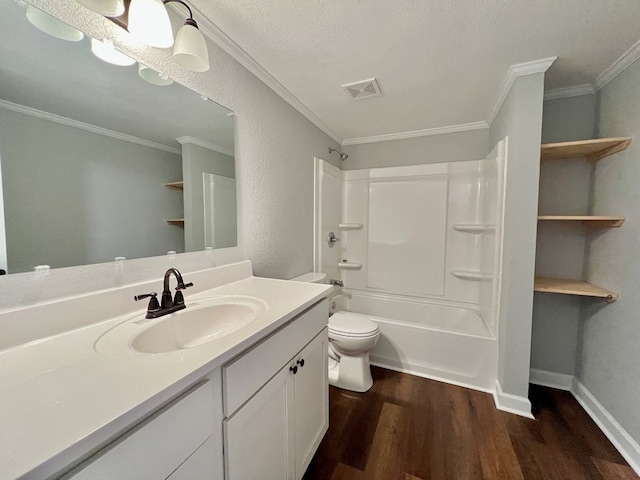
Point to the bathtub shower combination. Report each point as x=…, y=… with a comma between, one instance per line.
x=419, y=253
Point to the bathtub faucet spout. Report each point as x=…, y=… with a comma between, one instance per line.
x=336, y=283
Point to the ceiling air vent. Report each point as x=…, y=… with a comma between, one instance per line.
x=363, y=89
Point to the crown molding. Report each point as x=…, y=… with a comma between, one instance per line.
x=204, y=144
x=515, y=71
x=463, y=127
x=567, y=92
x=70, y=122
x=222, y=40
x=617, y=67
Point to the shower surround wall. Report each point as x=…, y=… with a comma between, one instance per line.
x=418, y=254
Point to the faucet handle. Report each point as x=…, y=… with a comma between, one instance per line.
x=178, y=299
x=145, y=295
x=153, y=306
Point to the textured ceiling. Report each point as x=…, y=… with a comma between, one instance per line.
x=438, y=62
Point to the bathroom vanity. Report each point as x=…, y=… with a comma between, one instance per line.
x=113, y=398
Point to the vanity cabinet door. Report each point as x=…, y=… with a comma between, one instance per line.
x=258, y=436
x=311, y=399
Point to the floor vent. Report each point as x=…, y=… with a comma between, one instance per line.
x=363, y=89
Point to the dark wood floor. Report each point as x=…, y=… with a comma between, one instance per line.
x=411, y=428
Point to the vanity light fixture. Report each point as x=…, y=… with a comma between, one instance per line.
x=52, y=26
x=149, y=21
x=108, y=8
x=106, y=52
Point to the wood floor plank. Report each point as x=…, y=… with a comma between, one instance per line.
x=497, y=457
x=345, y=472
x=386, y=460
x=412, y=428
x=614, y=471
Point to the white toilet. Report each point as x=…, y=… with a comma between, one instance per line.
x=351, y=337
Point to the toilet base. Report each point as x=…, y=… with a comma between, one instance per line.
x=351, y=373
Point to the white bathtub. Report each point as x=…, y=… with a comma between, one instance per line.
x=447, y=343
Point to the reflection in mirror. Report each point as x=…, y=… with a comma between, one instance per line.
x=97, y=163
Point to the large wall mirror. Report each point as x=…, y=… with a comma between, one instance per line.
x=98, y=163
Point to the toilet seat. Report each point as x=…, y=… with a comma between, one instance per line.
x=352, y=326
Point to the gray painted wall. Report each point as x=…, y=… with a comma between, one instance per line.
x=471, y=145
x=197, y=160
x=73, y=197
x=564, y=189
x=274, y=150
x=609, y=353
x=519, y=119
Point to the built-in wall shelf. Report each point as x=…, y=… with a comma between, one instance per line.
x=175, y=185
x=568, y=286
x=349, y=265
x=350, y=226
x=470, y=274
x=473, y=227
x=593, y=150
x=596, y=221
x=178, y=222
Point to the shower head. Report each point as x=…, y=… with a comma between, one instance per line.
x=343, y=156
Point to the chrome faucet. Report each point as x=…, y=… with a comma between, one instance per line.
x=168, y=303
x=336, y=283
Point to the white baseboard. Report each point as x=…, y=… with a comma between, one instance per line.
x=561, y=381
x=511, y=403
x=626, y=445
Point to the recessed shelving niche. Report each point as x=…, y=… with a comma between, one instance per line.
x=592, y=150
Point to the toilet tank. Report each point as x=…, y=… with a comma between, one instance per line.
x=310, y=277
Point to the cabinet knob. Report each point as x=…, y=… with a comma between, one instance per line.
x=301, y=362
x=294, y=369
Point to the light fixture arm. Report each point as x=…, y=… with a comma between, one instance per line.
x=189, y=20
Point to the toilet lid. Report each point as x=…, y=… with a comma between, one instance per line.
x=350, y=324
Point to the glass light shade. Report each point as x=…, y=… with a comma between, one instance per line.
x=52, y=26
x=190, y=49
x=106, y=51
x=149, y=21
x=108, y=8
x=152, y=76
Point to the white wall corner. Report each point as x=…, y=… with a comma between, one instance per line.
x=567, y=92
x=222, y=40
x=617, y=67
x=515, y=71
x=626, y=445
x=561, y=381
x=511, y=403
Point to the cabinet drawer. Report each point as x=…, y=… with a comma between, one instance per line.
x=156, y=447
x=244, y=376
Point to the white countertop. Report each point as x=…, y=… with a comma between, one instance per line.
x=60, y=398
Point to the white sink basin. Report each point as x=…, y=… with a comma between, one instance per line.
x=203, y=321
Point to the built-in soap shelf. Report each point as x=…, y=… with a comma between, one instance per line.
x=473, y=227
x=470, y=274
x=349, y=265
x=350, y=226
